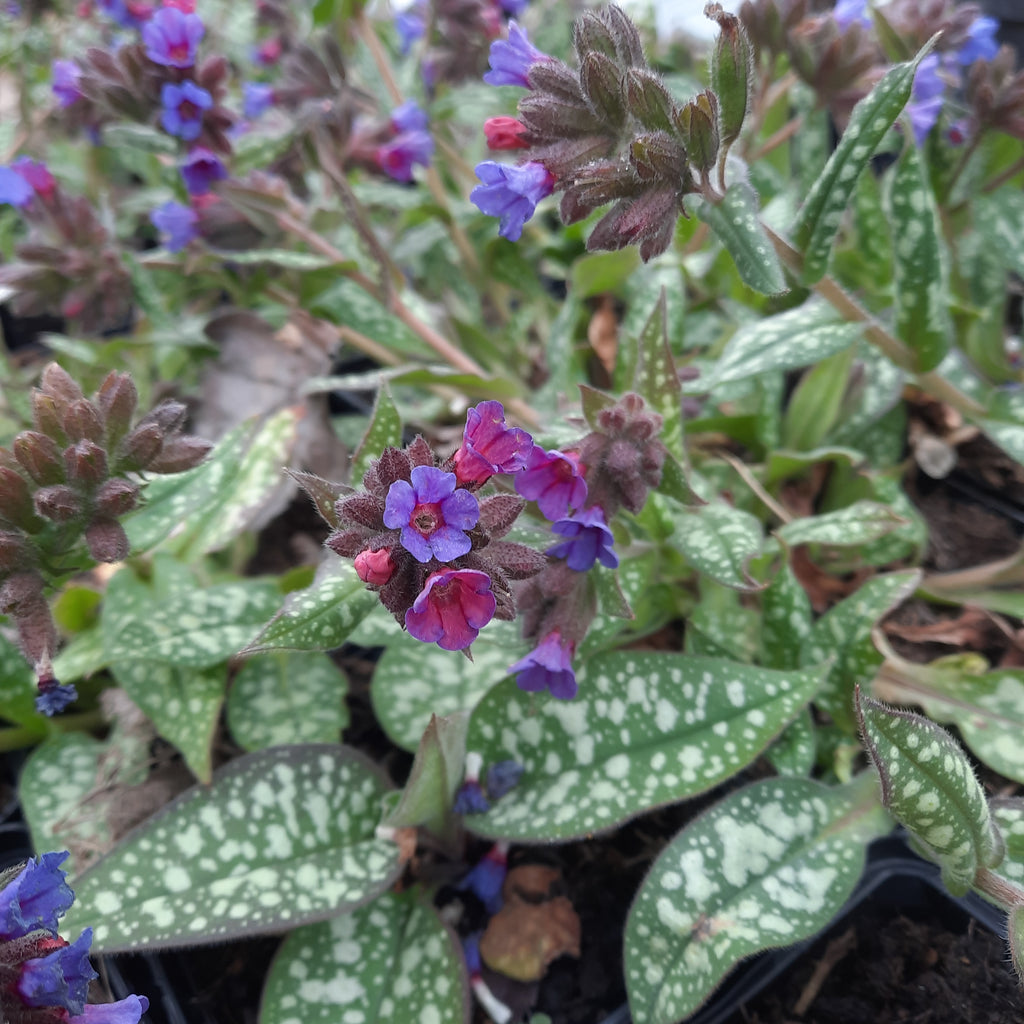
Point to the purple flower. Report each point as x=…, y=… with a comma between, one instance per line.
x=513, y=8
x=488, y=446
x=512, y=59
x=397, y=157
x=981, y=41
x=171, y=37
x=257, y=98
x=60, y=978
x=849, y=12
x=201, y=170
x=590, y=540
x=54, y=697
x=35, y=898
x=409, y=117
x=548, y=667
x=487, y=877
x=926, y=98
x=503, y=777
x=176, y=224
x=511, y=193
x=125, y=1011
x=410, y=25
x=183, y=107
x=14, y=189
x=470, y=799
x=37, y=174
x=552, y=479
x=452, y=608
x=432, y=516
x=127, y=14
x=66, y=75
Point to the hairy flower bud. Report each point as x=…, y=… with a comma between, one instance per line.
x=40, y=457
x=46, y=415
x=697, y=125
x=58, y=503
x=82, y=422
x=601, y=81
x=86, y=461
x=15, y=552
x=168, y=415
x=732, y=71
x=141, y=447
x=179, y=454
x=20, y=593
x=117, y=399
x=107, y=541
x=16, y=500
x=648, y=99
x=117, y=497
x=58, y=383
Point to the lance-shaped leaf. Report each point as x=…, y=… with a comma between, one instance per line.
x=283, y=837
x=204, y=508
x=794, y=751
x=1008, y=814
x=785, y=620
x=392, y=962
x=929, y=786
x=819, y=217
x=738, y=227
x=921, y=263
x=856, y=524
x=656, y=379
x=720, y=541
x=384, y=431
x=766, y=867
x=18, y=688
x=843, y=635
x=647, y=728
x=322, y=616
x=799, y=337
x=287, y=697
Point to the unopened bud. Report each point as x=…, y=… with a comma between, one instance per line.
x=15, y=552
x=169, y=415
x=732, y=72
x=46, y=415
x=590, y=34
x=658, y=156
x=58, y=503
x=107, y=541
x=117, y=497
x=648, y=100
x=82, y=422
x=505, y=133
x=141, y=447
x=697, y=124
x=375, y=567
x=86, y=461
x=179, y=454
x=40, y=457
x=600, y=79
x=20, y=592
x=117, y=399
x=56, y=381
x=16, y=500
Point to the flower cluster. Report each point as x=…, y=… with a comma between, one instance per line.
x=610, y=132
x=67, y=481
x=43, y=978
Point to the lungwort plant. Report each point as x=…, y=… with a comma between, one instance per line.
x=622, y=526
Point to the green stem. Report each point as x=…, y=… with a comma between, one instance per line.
x=20, y=736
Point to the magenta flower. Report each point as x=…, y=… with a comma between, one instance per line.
x=61, y=978
x=183, y=107
x=452, y=608
x=589, y=541
x=397, y=157
x=176, y=223
x=171, y=37
x=512, y=59
x=554, y=480
x=201, y=170
x=37, y=174
x=431, y=514
x=66, y=75
x=511, y=193
x=35, y=898
x=488, y=446
x=548, y=667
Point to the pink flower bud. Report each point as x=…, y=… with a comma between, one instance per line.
x=374, y=567
x=505, y=133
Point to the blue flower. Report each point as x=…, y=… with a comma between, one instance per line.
x=124, y=1011
x=512, y=59
x=176, y=224
x=409, y=117
x=183, y=107
x=511, y=193
x=398, y=157
x=470, y=799
x=926, y=97
x=981, y=41
x=54, y=697
x=66, y=75
x=849, y=12
x=201, y=170
x=590, y=540
x=432, y=515
x=35, y=898
x=14, y=189
x=487, y=877
x=171, y=37
x=257, y=98
x=548, y=667
x=410, y=25
x=60, y=978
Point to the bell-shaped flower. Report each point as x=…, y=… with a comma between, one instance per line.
x=489, y=446
x=589, y=541
x=511, y=193
x=452, y=608
x=201, y=170
x=512, y=58
x=176, y=223
x=35, y=898
x=61, y=978
x=171, y=37
x=183, y=107
x=547, y=667
x=554, y=480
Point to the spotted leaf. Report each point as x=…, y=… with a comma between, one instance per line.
x=384, y=431
x=282, y=837
x=766, y=867
x=18, y=688
x=719, y=540
x=1008, y=814
x=392, y=962
x=856, y=524
x=819, y=217
x=656, y=379
x=929, y=786
x=204, y=508
x=794, y=751
x=647, y=728
x=322, y=616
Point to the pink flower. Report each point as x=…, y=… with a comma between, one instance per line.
x=374, y=567
x=505, y=133
x=452, y=608
x=553, y=480
x=488, y=446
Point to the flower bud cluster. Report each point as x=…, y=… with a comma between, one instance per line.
x=610, y=131
x=69, y=480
